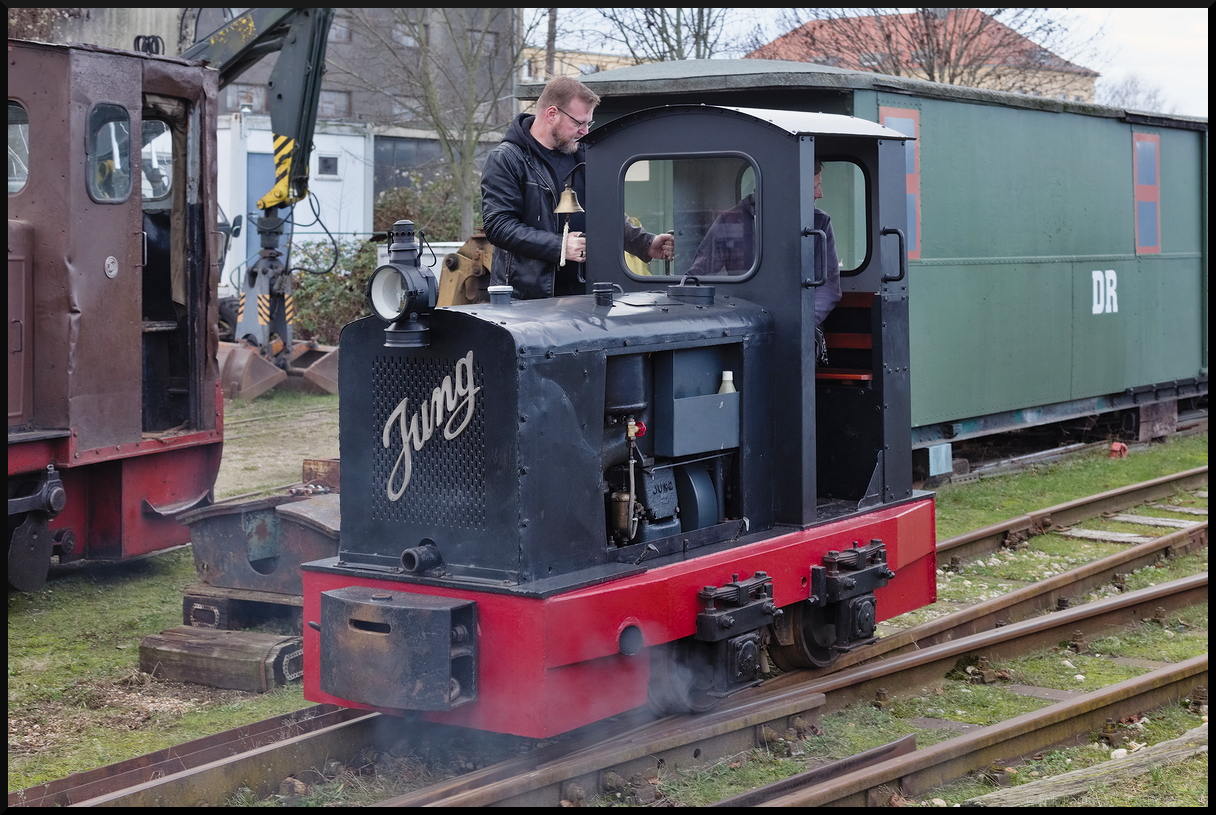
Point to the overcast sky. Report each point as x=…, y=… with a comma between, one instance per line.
x=1165, y=47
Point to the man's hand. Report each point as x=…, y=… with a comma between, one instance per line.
x=576, y=247
x=663, y=247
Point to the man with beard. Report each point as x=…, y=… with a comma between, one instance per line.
x=520, y=187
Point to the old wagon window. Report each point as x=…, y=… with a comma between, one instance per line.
x=18, y=147
x=1146, y=160
x=708, y=202
x=156, y=159
x=109, y=153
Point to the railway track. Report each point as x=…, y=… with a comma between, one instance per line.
x=917, y=772
x=572, y=767
x=683, y=741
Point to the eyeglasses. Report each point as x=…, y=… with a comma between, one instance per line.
x=588, y=124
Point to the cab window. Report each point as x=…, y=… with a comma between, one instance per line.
x=707, y=202
x=845, y=201
x=156, y=159
x=18, y=147
x=109, y=154
x=711, y=205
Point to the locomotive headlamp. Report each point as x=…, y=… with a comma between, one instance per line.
x=387, y=294
x=403, y=292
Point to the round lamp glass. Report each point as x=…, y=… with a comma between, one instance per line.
x=387, y=293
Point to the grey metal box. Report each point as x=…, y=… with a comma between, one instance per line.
x=691, y=416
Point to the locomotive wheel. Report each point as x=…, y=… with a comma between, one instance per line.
x=30, y=545
x=681, y=678
x=814, y=633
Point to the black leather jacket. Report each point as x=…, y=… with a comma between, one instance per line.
x=517, y=203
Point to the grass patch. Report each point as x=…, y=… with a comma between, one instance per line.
x=862, y=727
x=1064, y=670
x=911, y=619
x=267, y=439
x=275, y=402
x=844, y=734
x=1170, y=569
x=972, y=704
x=963, y=507
x=1185, y=636
x=700, y=786
x=76, y=699
x=970, y=588
x=1178, y=785
x=386, y=777
x=1045, y=556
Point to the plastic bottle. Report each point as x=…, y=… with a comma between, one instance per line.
x=728, y=382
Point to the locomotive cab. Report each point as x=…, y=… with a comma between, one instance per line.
x=113, y=405
x=843, y=444
x=556, y=509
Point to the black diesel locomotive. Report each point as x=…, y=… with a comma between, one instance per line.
x=555, y=510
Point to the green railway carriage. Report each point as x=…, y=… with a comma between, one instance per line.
x=1057, y=251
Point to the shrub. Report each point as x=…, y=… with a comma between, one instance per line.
x=432, y=203
x=326, y=301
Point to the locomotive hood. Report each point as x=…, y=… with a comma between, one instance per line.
x=457, y=445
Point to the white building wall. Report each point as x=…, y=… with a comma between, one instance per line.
x=344, y=199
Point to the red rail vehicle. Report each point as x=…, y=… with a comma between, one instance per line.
x=114, y=411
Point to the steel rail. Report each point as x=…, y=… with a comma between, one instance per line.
x=1032, y=599
x=674, y=740
x=922, y=668
x=1056, y=724
x=80, y=787
x=544, y=777
x=820, y=775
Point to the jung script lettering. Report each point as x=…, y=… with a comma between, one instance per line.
x=451, y=407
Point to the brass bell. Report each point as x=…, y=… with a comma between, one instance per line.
x=568, y=203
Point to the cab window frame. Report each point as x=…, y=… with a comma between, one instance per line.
x=94, y=152
x=865, y=207
x=22, y=155
x=749, y=162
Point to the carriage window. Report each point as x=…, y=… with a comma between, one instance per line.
x=156, y=159
x=109, y=154
x=18, y=147
x=708, y=202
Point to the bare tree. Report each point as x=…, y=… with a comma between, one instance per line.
x=664, y=34
x=1028, y=50
x=450, y=71
x=551, y=42
x=1133, y=93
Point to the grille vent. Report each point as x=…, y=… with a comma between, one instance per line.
x=447, y=483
